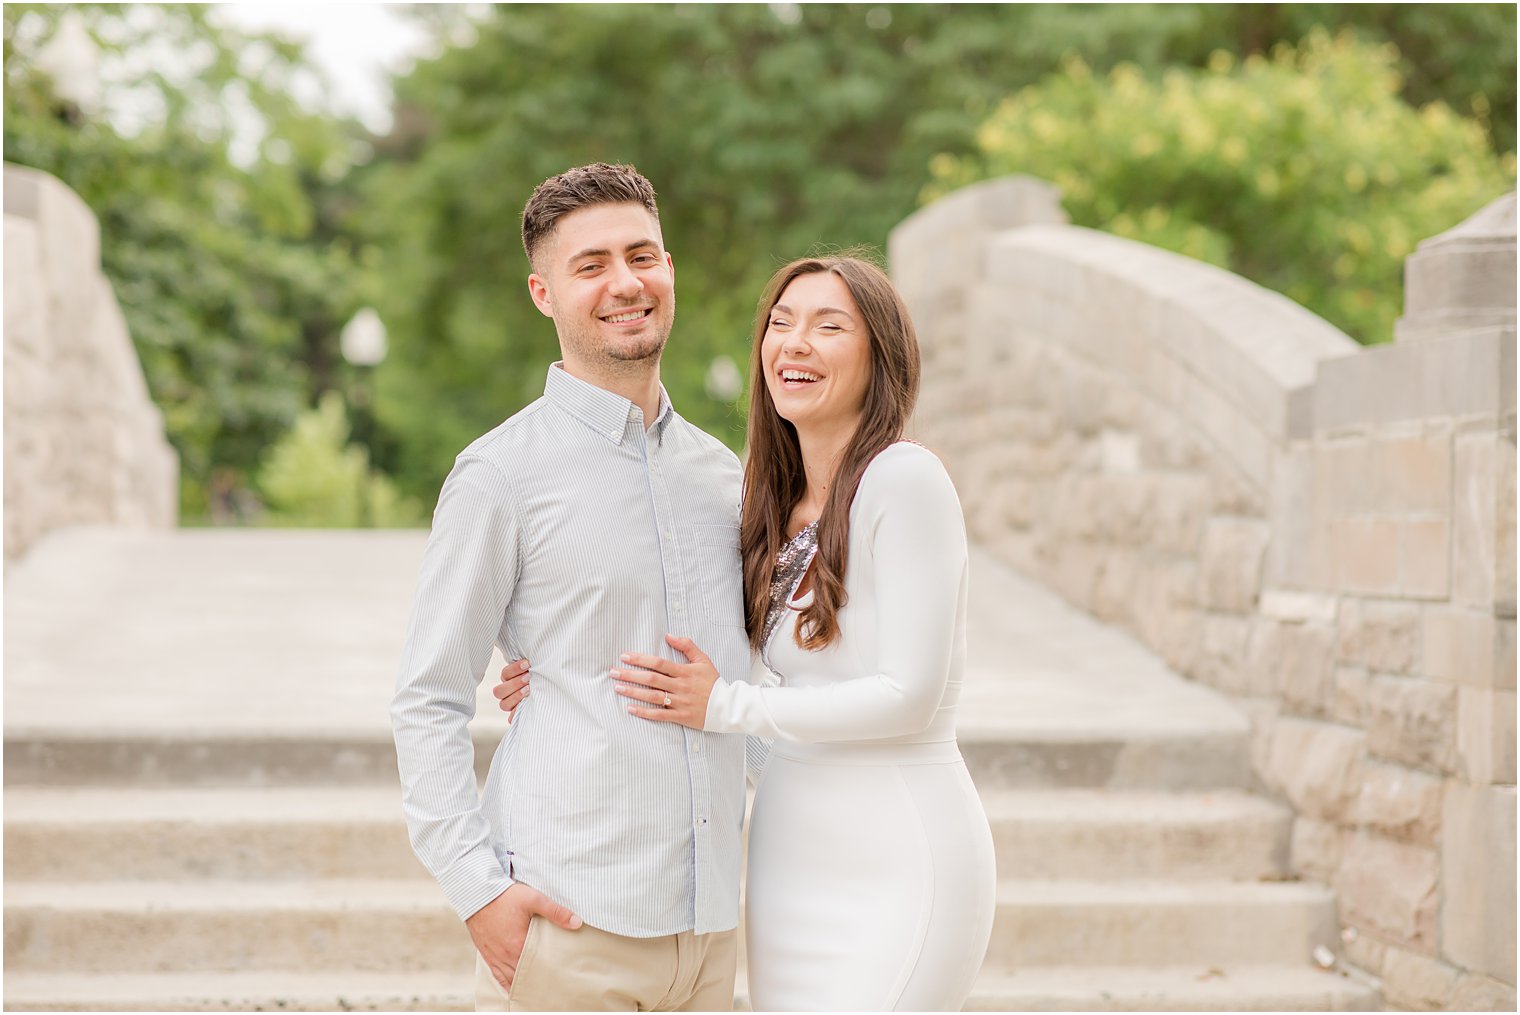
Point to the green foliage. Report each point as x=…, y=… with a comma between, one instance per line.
x=226, y=272
x=313, y=477
x=1304, y=171
x=768, y=130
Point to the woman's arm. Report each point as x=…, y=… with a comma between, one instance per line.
x=917, y=541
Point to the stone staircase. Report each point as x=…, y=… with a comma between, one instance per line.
x=219, y=829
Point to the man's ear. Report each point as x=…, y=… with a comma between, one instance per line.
x=539, y=290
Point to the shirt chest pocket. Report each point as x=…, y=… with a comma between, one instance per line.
x=719, y=578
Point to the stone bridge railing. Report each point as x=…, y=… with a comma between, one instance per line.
x=1324, y=531
x=84, y=444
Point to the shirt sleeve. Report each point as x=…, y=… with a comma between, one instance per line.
x=468, y=573
x=917, y=540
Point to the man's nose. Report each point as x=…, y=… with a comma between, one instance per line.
x=624, y=281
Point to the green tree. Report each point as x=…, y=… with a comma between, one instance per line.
x=769, y=130
x=229, y=266
x=1304, y=172
x=313, y=477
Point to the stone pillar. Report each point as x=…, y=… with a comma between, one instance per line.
x=1463, y=280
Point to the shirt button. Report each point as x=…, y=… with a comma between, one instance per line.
x=701, y=822
x=696, y=747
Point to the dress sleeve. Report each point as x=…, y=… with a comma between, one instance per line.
x=917, y=539
x=468, y=574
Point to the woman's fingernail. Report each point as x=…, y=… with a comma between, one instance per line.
x=624, y=658
x=525, y=692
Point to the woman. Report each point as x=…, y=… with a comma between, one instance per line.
x=870, y=882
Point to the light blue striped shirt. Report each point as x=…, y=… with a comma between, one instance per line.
x=569, y=535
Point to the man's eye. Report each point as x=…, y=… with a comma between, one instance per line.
x=645, y=259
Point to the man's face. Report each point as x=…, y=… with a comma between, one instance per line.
x=604, y=277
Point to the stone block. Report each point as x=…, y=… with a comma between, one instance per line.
x=1315, y=849
x=1390, y=888
x=1258, y=668
x=1316, y=765
x=1234, y=495
x=1364, y=951
x=1481, y=993
x=1463, y=646
x=1379, y=635
x=1400, y=803
x=1294, y=558
x=1344, y=469
x=1412, y=721
x=1230, y=564
x=1416, y=982
x=1474, y=517
x=1414, y=474
x=1469, y=267
x=1478, y=879
x=1222, y=652
x=1284, y=604
x=1306, y=666
x=1178, y=505
x=1350, y=696
x=1118, y=584
x=1486, y=736
x=1504, y=654
x=1504, y=523
x=1364, y=555
x=1424, y=551
x=1460, y=375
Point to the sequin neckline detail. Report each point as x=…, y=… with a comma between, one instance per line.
x=792, y=563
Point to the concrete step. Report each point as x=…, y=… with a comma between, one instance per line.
x=1181, y=759
x=1179, y=988
x=1190, y=988
x=1158, y=923
x=296, y=926
x=276, y=990
x=1082, y=758
x=93, y=834
x=145, y=759
x=1107, y=835
x=276, y=833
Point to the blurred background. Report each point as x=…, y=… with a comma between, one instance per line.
x=311, y=222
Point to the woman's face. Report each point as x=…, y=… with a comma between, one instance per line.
x=816, y=354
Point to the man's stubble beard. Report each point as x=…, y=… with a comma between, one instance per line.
x=638, y=356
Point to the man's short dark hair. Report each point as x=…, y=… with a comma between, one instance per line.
x=581, y=187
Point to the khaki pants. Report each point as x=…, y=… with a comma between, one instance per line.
x=592, y=970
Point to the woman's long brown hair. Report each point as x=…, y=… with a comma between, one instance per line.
x=773, y=477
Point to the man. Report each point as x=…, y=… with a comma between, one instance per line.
x=590, y=524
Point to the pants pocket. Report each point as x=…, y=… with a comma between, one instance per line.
x=519, y=998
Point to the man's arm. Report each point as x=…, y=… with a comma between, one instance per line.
x=466, y=583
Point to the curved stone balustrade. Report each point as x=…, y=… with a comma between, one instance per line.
x=84, y=444
x=1326, y=532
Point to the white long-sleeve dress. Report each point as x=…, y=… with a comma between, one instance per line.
x=871, y=882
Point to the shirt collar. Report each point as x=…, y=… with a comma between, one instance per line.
x=608, y=414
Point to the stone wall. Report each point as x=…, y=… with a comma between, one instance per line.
x=1323, y=531
x=83, y=442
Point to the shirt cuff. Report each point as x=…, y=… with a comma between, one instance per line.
x=473, y=880
x=720, y=708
